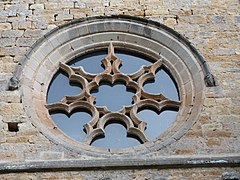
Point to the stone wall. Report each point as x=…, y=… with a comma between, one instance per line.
x=172, y=174
x=212, y=26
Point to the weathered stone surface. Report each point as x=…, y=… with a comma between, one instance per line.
x=25, y=42
x=7, y=42
x=11, y=108
x=13, y=51
x=211, y=25
x=7, y=67
x=37, y=6
x=16, y=7
x=79, y=13
x=211, y=142
x=51, y=155
x=22, y=25
x=64, y=17
x=185, y=151
x=156, y=12
x=170, y=22
x=59, y=5
x=80, y=4
x=5, y=26
x=1, y=123
x=4, y=79
x=12, y=33
x=16, y=19
x=219, y=19
x=37, y=33
x=3, y=138
x=7, y=156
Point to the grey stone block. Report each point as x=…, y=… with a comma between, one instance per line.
x=37, y=33
x=7, y=42
x=96, y=27
x=25, y=42
x=12, y=33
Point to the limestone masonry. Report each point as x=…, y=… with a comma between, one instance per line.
x=209, y=150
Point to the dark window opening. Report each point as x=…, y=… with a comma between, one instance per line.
x=13, y=127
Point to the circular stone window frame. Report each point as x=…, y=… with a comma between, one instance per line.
x=64, y=43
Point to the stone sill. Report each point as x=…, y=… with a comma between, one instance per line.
x=123, y=163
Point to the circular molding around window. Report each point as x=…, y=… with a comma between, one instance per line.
x=125, y=33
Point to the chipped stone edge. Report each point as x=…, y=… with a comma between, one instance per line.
x=119, y=164
x=230, y=175
x=210, y=80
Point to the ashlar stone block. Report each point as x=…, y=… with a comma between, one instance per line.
x=37, y=6
x=5, y=26
x=51, y=155
x=12, y=33
x=7, y=42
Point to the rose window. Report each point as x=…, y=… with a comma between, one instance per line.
x=113, y=100
x=134, y=98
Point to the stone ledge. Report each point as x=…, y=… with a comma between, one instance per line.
x=122, y=163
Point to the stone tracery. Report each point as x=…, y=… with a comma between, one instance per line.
x=100, y=114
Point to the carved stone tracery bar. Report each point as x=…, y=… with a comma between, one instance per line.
x=128, y=114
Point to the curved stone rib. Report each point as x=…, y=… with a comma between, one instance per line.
x=171, y=104
x=103, y=110
x=94, y=133
x=155, y=105
x=69, y=108
x=155, y=66
x=144, y=78
x=112, y=79
x=136, y=97
x=116, y=117
x=60, y=106
x=115, y=66
x=133, y=85
x=158, y=97
x=66, y=69
x=83, y=96
x=73, y=76
x=107, y=66
x=149, y=72
x=144, y=69
x=111, y=53
x=151, y=104
x=137, y=132
x=131, y=130
x=99, y=131
x=122, y=77
x=148, y=103
x=100, y=78
x=80, y=70
x=137, y=74
x=89, y=76
x=126, y=109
